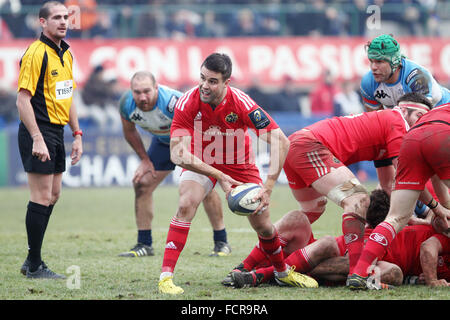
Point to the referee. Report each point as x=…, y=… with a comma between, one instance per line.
x=44, y=99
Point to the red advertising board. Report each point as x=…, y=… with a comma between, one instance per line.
x=267, y=60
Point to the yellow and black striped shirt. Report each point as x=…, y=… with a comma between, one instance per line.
x=46, y=71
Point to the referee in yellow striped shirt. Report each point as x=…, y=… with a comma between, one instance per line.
x=44, y=101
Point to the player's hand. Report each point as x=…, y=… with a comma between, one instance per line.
x=438, y=283
x=443, y=213
x=264, y=196
x=77, y=150
x=40, y=149
x=226, y=183
x=146, y=166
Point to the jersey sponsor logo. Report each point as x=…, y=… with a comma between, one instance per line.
x=379, y=238
x=350, y=237
x=380, y=94
x=231, y=118
x=136, y=117
x=408, y=182
x=259, y=118
x=63, y=89
x=172, y=103
x=411, y=75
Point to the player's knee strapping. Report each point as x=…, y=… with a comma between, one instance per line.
x=345, y=190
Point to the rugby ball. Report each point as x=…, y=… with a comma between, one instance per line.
x=240, y=199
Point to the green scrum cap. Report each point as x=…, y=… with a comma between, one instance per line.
x=385, y=48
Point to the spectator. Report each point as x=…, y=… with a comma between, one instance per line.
x=322, y=97
x=347, y=101
x=8, y=110
x=100, y=95
x=246, y=25
x=288, y=97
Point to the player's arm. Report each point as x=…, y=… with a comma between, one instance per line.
x=386, y=173
x=134, y=139
x=77, y=145
x=181, y=155
x=429, y=252
x=27, y=116
x=441, y=191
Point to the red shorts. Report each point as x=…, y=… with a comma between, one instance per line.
x=307, y=160
x=425, y=151
x=247, y=174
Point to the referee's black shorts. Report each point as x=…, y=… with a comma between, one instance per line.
x=54, y=139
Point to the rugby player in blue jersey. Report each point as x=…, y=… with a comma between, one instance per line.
x=392, y=75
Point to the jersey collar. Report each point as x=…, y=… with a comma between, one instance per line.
x=59, y=51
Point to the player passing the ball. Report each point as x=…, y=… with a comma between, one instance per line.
x=210, y=140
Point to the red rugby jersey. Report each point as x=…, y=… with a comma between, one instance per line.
x=220, y=136
x=366, y=136
x=404, y=251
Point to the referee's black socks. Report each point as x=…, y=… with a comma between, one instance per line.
x=36, y=222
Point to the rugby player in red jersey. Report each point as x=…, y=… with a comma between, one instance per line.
x=210, y=140
x=416, y=248
x=425, y=152
x=318, y=154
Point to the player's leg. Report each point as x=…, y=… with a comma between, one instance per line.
x=269, y=242
x=213, y=208
x=144, y=211
x=294, y=231
x=401, y=208
x=343, y=188
x=192, y=190
x=312, y=203
x=36, y=221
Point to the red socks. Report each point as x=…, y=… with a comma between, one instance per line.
x=375, y=248
x=353, y=230
x=176, y=239
x=272, y=247
x=300, y=260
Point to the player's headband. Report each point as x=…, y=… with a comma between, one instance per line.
x=414, y=105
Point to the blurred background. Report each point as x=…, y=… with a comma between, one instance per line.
x=300, y=60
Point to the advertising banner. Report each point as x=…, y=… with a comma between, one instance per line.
x=269, y=61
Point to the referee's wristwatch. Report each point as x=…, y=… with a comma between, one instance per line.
x=77, y=132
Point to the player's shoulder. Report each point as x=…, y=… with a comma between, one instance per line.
x=169, y=91
x=126, y=104
x=187, y=99
x=412, y=70
x=368, y=84
x=242, y=100
x=35, y=50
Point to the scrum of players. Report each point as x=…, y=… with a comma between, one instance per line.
x=383, y=244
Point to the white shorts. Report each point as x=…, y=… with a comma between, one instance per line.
x=201, y=179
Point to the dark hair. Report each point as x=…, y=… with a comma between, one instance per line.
x=378, y=208
x=415, y=97
x=219, y=62
x=44, y=12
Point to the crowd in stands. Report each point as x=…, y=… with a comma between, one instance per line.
x=214, y=18
x=231, y=18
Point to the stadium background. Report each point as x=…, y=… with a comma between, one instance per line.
x=294, y=58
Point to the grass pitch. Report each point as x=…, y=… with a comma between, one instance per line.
x=90, y=227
